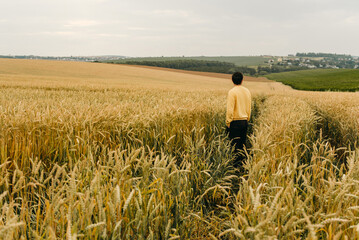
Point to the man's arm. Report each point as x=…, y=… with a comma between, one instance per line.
x=230, y=108
x=249, y=109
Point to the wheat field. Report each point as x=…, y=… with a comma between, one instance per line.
x=97, y=151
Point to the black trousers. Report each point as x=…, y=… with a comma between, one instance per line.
x=238, y=137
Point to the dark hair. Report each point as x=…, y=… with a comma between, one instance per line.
x=237, y=78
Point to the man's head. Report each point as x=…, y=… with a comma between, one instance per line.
x=237, y=78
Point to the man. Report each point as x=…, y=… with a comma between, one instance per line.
x=238, y=115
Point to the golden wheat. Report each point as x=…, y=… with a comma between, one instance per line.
x=96, y=151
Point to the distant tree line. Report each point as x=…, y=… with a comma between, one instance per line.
x=277, y=68
x=213, y=66
x=195, y=65
x=27, y=57
x=328, y=55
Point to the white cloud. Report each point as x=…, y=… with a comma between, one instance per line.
x=59, y=33
x=352, y=20
x=139, y=28
x=186, y=27
x=112, y=35
x=171, y=13
x=82, y=23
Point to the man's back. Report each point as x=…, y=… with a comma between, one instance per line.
x=238, y=114
x=238, y=104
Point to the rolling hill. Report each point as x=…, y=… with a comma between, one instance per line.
x=320, y=79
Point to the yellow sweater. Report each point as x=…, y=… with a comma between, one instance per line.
x=238, y=104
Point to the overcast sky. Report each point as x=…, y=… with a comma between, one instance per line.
x=178, y=27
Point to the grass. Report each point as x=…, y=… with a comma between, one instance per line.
x=135, y=157
x=238, y=60
x=320, y=79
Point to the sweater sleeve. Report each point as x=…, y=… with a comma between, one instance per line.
x=249, y=109
x=230, y=108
